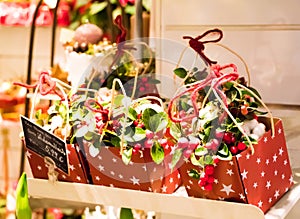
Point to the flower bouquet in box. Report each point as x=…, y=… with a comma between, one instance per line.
x=227, y=148
x=125, y=140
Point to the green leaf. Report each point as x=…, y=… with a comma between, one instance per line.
x=201, y=151
x=132, y=114
x=195, y=161
x=23, y=209
x=180, y=72
x=135, y=135
x=126, y=155
x=158, y=122
x=175, y=130
x=96, y=7
x=130, y=9
x=89, y=136
x=118, y=100
x=224, y=153
x=176, y=157
x=193, y=173
x=115, y=141
x=126, y=213
x=157, y=153
x=146, y=116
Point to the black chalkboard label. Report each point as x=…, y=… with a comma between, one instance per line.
x=45, y=144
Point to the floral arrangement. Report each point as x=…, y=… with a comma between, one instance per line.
x=217, y=118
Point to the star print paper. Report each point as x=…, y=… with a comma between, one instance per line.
x=261, y=178
x=76, y=172
x=141, y=173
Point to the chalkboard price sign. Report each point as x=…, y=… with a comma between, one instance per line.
x=45, y=144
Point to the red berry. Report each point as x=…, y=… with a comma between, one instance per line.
x=216, y=160
x=144, y=79
x=202, y=182
x=241, y=146
x=139, y=116
x=183, y=142
x=142, y=89
x=193, y=143
x=234, y=150
x=213, y=144
x=134, y=151
x=210, y=179
x=208, y=187
x=227, y=137
x=140, y=125
x=233, y=139
x=209, y=169
x=149, y=134
x=135, y=123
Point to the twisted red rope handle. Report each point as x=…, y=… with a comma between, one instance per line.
x=198, y=45
x=45, y=83
x=215, y=74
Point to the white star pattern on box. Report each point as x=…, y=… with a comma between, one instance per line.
x=227, y=189
x=121, y=176
x=111, y=185
x=275, y=172
x=150, y=189
x=114, y=160
x=280, y=151
x=260, y=203
x=265, y=139
x=279, y=131
x=276, y=195
x=178, y=175
x=275, y=158
x=255, y=185
x=221, y=198
x=242, y=196
x=216, y=181
x=144, y=167
x=72, y=167
x=248, y=156
x=164, y=189
x=101, y=168
x=99, y=157
x=112, y=173
x=262, y=174
x=135, y=181
x=244, y=174
x=64, y=176
x=78, y=178
x=191, y=182
x=97, y=178
x=188, y=187
x=282, y=176
x=229, y=172
x=258, y=160
x=270, y=200
x=39, y=167
x=238, y=156
x=171, y=180
x=268, y=185
x=68, y=152
x=291, y=179
x=231, y=163
x=285, y=162
x=267, y=161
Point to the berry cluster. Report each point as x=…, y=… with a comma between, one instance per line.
x=188, y=144
x=206, y=180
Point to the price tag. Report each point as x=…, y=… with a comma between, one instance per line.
x=45, y=144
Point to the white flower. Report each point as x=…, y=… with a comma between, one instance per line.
x=56, y=122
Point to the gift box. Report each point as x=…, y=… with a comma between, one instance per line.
x=107, y=168
x=260, y=178
x=40, y=168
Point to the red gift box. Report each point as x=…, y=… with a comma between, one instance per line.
x=77, y=171
x=107, y=168
x=260, y=179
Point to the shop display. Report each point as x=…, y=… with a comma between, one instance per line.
x=216, y=135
